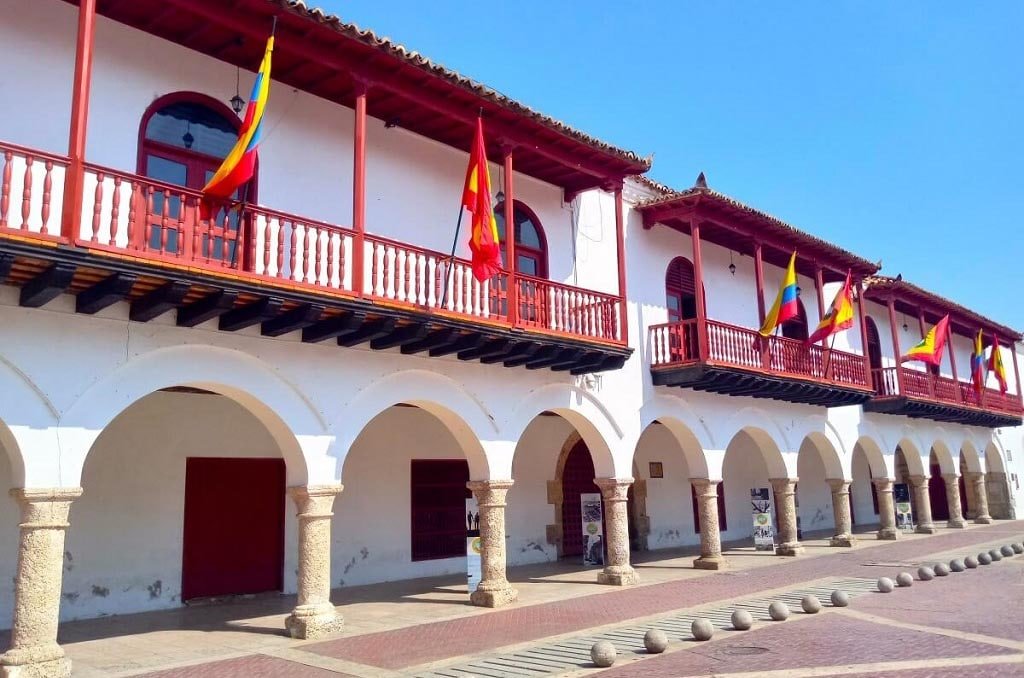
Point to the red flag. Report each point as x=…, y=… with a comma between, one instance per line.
x=839, y=316
x=476, y=197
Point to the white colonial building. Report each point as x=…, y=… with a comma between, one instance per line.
x=184, y=399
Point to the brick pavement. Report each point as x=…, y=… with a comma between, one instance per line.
x=252, y=666
x=829, y=640
x=431, y=642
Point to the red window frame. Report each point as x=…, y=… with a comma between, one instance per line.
x=539, y=256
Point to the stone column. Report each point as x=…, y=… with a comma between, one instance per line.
x=956, y=519
x=710, y=538
x=997, y=491
x=44, y=521
x=493, y=589
x=923, y=500
x=617, y=570
x=314, y=614
x=981, y=515
x=785, y=504
x=841, y=513
x=886, y=509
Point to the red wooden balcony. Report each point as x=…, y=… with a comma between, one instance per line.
x=144, y=241
x=914, y=393
x=735, y=360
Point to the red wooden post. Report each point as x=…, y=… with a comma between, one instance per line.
x=47, y=190
x=74, y=177
x=928, y=374
x=1016, y=373
x=359, y=187
x=620, y=238
x=896, y=345
x=761, y=311
x=819, y=285
x=952, y=363
x=864, y=336
x=698, y=274
x=512, y=284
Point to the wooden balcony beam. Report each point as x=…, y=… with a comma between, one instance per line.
x=300, y=317
x=250, y=314
x=47, y=285
x=158, y=301
x=110, y=290
x=211, y=306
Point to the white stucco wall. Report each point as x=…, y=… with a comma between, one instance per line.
x=669, y=502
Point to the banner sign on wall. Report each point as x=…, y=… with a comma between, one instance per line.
x=473, y=571
x=904, y=514
x=593, y=528
x=761, y=510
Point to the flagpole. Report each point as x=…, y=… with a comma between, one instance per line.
x=451, y=258
x=828, y=356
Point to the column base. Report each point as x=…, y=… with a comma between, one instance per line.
x=958, y=524
x=716, y=562
x=842, y=541
x=621, y=575
x=494, y=597
x=313, y=621
x=983, y=520
x=47, y=661
x=888, y=533
x=793, y=549
x=926, y=529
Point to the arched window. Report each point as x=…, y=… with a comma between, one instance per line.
x=531, y=245
x=680, y=295
x=796, y=328
x=874, y=348
x=183, y=139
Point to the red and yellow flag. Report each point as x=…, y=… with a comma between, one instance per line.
x=929, y=350
x=476, y=197
x=839, y=316
x=995, y=364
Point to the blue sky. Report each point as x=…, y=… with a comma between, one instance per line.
x=894, y=129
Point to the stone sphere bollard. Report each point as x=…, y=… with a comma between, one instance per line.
x=984, y=559
x=1018, y=547
x=603, y=654
x=810, y=604
x=904, y=579
x=885, y=585
x=925, y=573
x=702, y=629
x=840, y=598
x=778, y=611
x=655, y=641
x=995, y=555
x=970, y=562
x=941, y=569
x=1007, y=551
x=742, y=620
x=956, y=565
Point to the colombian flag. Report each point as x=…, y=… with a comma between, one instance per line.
x=240, y=164
x=978, y=364
x=785, y=306
x=476, y=197
x=839, y=316
x=930, y=349
x=995, y=364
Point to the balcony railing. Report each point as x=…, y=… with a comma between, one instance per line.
x=936, y=388
x=149, y=220
x=677, y=344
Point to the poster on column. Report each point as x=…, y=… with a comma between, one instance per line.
x=473, y=572
x=761, y=509
x=904, y=513
x=593, y=528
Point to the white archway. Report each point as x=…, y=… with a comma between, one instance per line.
x=28, y=421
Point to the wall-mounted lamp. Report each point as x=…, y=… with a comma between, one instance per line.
x=732, y=266
x=187, y=137
x=905, y=325
x=237, y=102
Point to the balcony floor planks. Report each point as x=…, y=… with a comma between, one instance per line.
x=239, y=304
x=921, y=409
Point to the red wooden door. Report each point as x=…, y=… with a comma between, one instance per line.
x=577, y=479
x=234, y=526
x=937, y=494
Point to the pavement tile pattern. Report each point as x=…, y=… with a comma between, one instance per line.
x=252, y=666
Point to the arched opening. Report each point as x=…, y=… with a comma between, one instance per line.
x=10, y=517
x=531, y=244
x=939, y=462
x=183, y=138
x=867, y=463
x=403, y=512
x=817, y=462
x=751, y=460
x=192, y=484
x=968, y=497
x=796, y=328
x=874, y=344
x=997, y=485
x=680, y=290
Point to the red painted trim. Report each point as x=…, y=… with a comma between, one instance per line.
x=952, y=361
x=698, y=280
x=359, y=189
x=895, y=343
x=762, y=311
x=166, y=100
x=510, y=243
x=864, y=335
x=1016, y=372
x=81, y=82
x=620, y=254
x=819, y=286
x=540, y=255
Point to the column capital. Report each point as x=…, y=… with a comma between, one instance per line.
x=315, y=501
x=883, y=484
x=705, y=486
x=784, y=485
x=917, y=480
x=490, y=492
x=974, y=475
x=950, y=477
x=45, y=507
x=839, y=485
x=614, y=489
